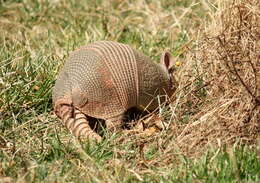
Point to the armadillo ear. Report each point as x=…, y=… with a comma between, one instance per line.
x=167, y=61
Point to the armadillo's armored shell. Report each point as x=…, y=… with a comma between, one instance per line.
x=104, y=79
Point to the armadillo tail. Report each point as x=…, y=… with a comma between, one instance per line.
x=78, y=125
x=67, y=118
x=81, y=126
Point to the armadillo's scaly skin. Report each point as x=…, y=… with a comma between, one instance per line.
x=104, y=79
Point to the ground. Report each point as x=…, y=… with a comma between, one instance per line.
x=208, y=133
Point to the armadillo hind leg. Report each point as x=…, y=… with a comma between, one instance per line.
x=114, y=124
x=76, y=122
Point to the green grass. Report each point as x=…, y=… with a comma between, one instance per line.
x=36, y=38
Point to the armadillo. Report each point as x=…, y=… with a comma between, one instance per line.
x=103, y=80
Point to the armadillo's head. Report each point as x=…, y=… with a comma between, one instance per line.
x=167, y=64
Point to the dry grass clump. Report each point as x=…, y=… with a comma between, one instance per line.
x=220, y=83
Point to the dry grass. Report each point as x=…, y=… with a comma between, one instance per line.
x=220, y=80
x=217, y=102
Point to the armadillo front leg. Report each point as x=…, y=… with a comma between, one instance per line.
x=77, y=123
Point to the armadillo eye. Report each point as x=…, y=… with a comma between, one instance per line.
x=170, y=71
x=170, y=81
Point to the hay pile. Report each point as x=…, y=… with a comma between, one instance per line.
x=218, y=99
x=219, y=91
